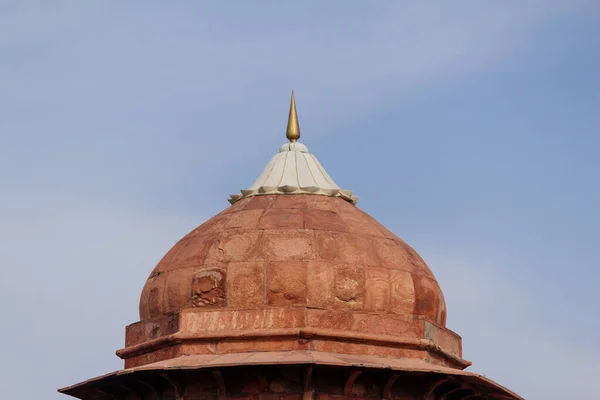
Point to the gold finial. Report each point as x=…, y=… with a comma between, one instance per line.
x=293, y=128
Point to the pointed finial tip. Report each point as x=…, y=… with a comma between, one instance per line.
x=293, y=127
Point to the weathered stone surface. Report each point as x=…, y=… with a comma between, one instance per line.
x=377, y=289
x=391, y=255
x=152, y=299
x=151, y=329
x=291, y=262
x=365, y=349
x=245, y=219
x=208, y=287
x=178, y=294
x=323, y=220
x=234, y=246
x=239, y=320
x=349, y=285
x=154, y=356
x=326, y=246
x=260, y=202
x=360, y=223
x=443, y=338
x=264, y=344
x=288, y=245
x=286, y=283
x=347, y=321
x=355, y=249
x=282, y=219
x=193, y=253
x=301, y=228
x=319, y=203
x=290, y=202
x=245, y=284
x=402, y=292
x=426, y=297
x=319, y=284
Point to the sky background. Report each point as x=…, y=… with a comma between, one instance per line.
x=471, y=129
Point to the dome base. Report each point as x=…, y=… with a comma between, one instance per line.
x=222, y=331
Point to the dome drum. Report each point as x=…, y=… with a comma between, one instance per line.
x=288, y=329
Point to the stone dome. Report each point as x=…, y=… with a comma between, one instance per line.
x=292, y=265
x=291, y=292
x=293, y=250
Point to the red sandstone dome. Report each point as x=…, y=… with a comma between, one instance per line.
x=291, y=293
x=293, y=264
x=304, y=251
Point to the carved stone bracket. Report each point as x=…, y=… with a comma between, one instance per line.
x=350, y=382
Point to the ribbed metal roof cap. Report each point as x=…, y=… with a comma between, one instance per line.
x=294, y=171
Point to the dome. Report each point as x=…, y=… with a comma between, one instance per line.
x=297, y=250
x=291, y=292
x=292, y=265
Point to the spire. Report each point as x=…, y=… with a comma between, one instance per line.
x=293, y=128
x=294, y=171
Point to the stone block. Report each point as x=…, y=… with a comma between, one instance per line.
x=365, y=322
x=377, y=289
x=245, y=219
x=151, y=329
x=208, y=287
x=284, y=245
x=365, y=349
x=234, y=246
x=177, y=288
x=355, y=221
x=152, y=302
x=319, y=203
x=241, y=320
x=385, y=232
x=392, y=255
x=273, y=344
x=193, y=252
x=402, y=292
x=354, y=249
x=426, y=297
x=326, y=246
x=286, y=283
x=444, y=338
x=260, y=202
x=323, y=220
x=320, y=281
x=245, y=284
x=197, y=348
x=290, y=201
x=349, y=285
x=276, y=218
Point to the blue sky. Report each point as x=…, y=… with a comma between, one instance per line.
x=469, y=129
